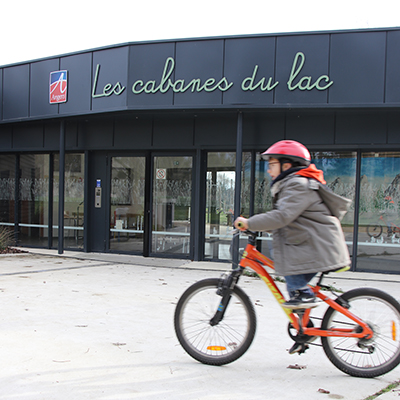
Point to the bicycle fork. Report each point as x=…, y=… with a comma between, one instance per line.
x=225, y=288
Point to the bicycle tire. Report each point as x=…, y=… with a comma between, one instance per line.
x=374, y=230
x=361, y=357
x=220, y=344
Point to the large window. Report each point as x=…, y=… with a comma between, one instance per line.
x=7, y=191
x=34, y=199
x=379, y=226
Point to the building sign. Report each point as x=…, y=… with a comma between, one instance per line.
x=296, y=80
x=58, y=87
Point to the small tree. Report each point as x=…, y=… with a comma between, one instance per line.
x=6, y=237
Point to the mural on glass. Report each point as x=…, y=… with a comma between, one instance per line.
x=379, y=223
x=340, y=175
x=172, y=197
x=127, y=203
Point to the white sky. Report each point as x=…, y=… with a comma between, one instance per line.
x=32, y=29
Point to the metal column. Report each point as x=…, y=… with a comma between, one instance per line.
x=238, y=184
x=61, y=190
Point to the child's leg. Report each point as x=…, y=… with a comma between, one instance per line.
x=301, y=296
x=298, y=282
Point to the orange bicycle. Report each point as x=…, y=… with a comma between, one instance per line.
x=215, y=321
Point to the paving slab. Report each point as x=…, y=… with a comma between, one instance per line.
x=90, y=326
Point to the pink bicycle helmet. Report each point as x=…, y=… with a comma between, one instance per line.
x=289, y=149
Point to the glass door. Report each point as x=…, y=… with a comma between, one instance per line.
x=127, y=204
x=74, y=198
x=172, y=198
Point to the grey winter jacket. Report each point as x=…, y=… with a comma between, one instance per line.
x=307, y=237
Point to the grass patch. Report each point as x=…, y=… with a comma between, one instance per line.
x=388, y=388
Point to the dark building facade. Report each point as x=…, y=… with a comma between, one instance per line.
x=153, y=148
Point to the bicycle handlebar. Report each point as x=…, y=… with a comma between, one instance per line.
x=246, y=232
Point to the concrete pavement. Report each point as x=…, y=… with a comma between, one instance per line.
x=100, y=326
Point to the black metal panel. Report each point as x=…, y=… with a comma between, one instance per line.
x=301, y=61
x=215, y=130
x=97, y=220
x=354, y=128
x=392, y=94
x=5, y=137
x=311, y=128
x=52, y=136
x=261, y=130
x=1, y=94
x=71, y=135
x=16, y=92
x=394, y=128
x=357, y=67
x=133, y=133
x=79, y=90
x=96, y=134
x=40, y=88
x=199, y=60
x=249, y=63
x=110, y=79
x=173, y=133
x=28, y=136
x=146, y=67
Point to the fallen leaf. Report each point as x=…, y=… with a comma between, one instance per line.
x=297, y=366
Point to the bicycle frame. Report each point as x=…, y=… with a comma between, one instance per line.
x=255, y=260
x=391, y=226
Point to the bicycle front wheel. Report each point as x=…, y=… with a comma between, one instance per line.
x=365, y=358
x=222, y=343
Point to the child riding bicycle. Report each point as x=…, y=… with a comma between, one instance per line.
x=307, y=235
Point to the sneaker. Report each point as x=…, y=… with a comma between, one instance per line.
x=301, y=300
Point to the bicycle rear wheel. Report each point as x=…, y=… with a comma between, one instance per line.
x=374, y=230
x=224, y=342
x=365, y=358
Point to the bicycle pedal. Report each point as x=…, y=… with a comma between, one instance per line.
x=299, y=348
x=300, y=306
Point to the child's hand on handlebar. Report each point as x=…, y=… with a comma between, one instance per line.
x=241, y=224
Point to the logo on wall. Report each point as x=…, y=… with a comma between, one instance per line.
x=58, y=87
